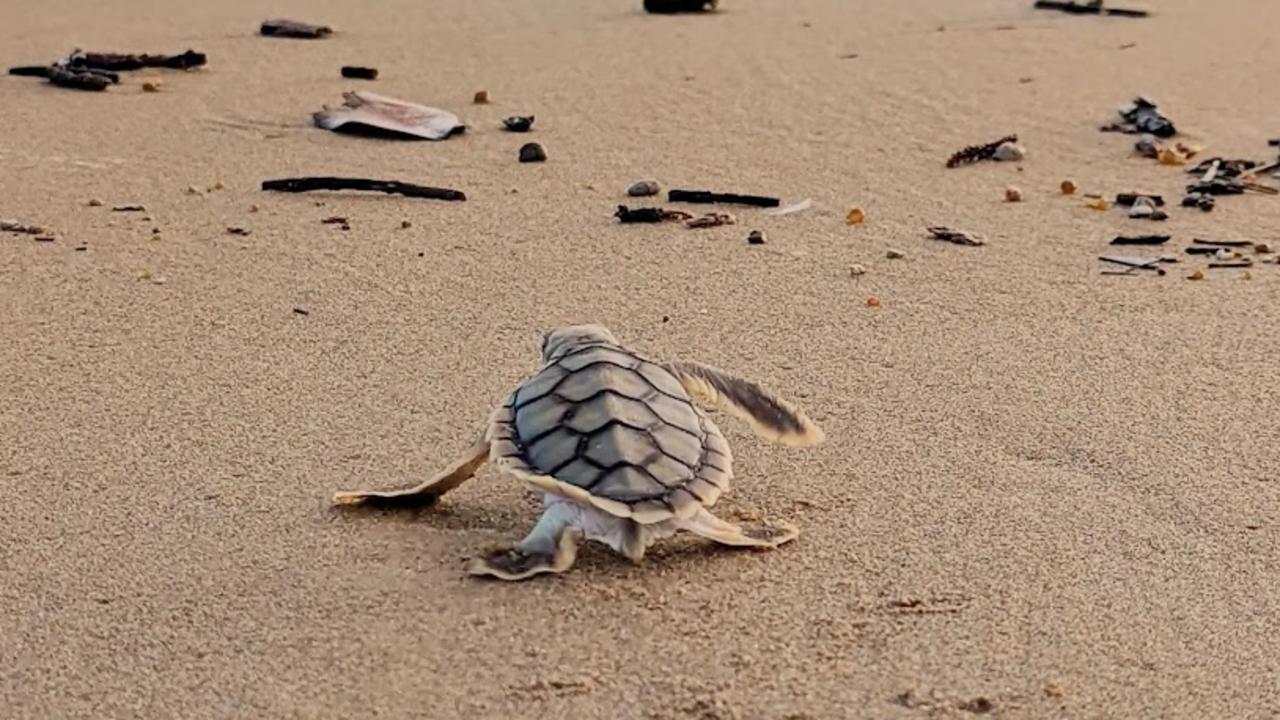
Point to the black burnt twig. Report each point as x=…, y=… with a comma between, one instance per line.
x=293, y=29
x=305, y=184
x=359, y=73
x=976, y=153
x=706, y=196
x=1092, y=7
x=649, y=215
x=125, y=62
x=1141, y=239
x=78, y=80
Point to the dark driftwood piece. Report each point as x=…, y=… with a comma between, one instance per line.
x=1233, y=264
x=1141, y=239
x=305, y=184
x=1202, y=250
x=678, y=6
x=1088, y=8
x=1128, y=199
x=31, y=70
x=293, y=29
x=975, y=153
x=1224, y=243
x=125, y=62
x=1141, y=116
x=649, y=215
x=706, y=196
x=359, y=73
x=78, y=80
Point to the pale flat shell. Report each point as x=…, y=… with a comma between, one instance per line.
x=369, y=110
x=792, y=208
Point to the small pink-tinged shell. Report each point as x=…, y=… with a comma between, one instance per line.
x=364, y=110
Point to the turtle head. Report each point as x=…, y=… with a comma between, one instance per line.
x=563, y=339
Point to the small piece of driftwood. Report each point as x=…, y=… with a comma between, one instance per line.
x=975, y=153
x=1128, y=199
x=124, y=62
x=1090, y=7
x=14, y=226
x=357, y=72
x=706, y=196
x=293, y=29
x=678, y=6
x=649, y=215
x=31, y=70
x=1202, y=250
x=368, y=113
x=1141, y=239
x=1232, y=264
x=1136, y=263
x=305, y=184
x=958, y=237
x=63, y=77
x=1223, y=243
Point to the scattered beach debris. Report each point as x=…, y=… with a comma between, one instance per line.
x=1129, y=199
x=301, y=311
x=151, y=86
x=357, y=72
x=756, y=237
x=958, y=237
x=855, y=217
x=406, y=224
x=193, y=190
x=294, y=29
x=1141, y=116
x=1145, y=208
x=650, y=215
x=532, y=152
x=856, y=270
x=128, y=208
x=1245, y=263
x=306, y=184
x=1133, y=263
x=124, y=62
x=644, y=188
x=334, y=220
x=481, y=97
x=1013, y=194
x=706, y=196
x=1196, y=275
x=709, y=220
x=1222, y=243
x=792, y=208
x=1263, y=248
x=233, y=230
x=893, y=254
x=78, y=80
x=94, y=202
x=14, y=226
x=1097, y=202
x=679, y=6
x=1068, y=187
x=873, y=302
x=1088, y=7
x=366, y=112
x=1141, y=239
x=1009, y=152
x=976, y=153
x=518, y=123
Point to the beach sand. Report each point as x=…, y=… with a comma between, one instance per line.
x=1045, y=492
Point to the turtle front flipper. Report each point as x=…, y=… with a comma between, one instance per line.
x=551, y=547
x=426, y=493
x=768, y=415
x=726, y=533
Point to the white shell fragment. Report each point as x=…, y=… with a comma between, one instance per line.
x=1010, y=152
x=792, y=208
x=364, y=110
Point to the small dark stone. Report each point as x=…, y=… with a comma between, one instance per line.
x=678, y=6
x=359, y=73
x=518, y=123
x=756, y=237
x=532, y=152
x=300, y=311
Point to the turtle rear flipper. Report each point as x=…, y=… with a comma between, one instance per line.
x=769, y=416
x=551, y=547
x=425, y=493
x=759, y=535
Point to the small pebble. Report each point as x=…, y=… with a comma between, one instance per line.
x=1168, y=156
x=482, y=97
x=1010, y=152
x=254, y=208
x=1159, y=214
x=895, y=254
x=855, y=216
x=1098, y=203
x=405, y=224
x=756, y=237
x=518, y=123
x=193, y=190
x=856, y=270
x=1197, y=275
x=219, y=185
x=532, y=152
x=873, y=302
x=1012, y=194
x=151, y=86
x=1142, y=208
x=644, y=188
x=1147, y=145
x=1263, y=248
x=237, y=231
x=95, y=202
x=1068, y=187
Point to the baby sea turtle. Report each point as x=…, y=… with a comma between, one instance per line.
x=614, y=443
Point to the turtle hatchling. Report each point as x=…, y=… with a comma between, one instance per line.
x=620, y=453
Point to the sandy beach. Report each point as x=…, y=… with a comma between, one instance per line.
x=1045, y=492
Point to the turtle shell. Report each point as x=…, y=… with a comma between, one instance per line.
x=609, y=427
